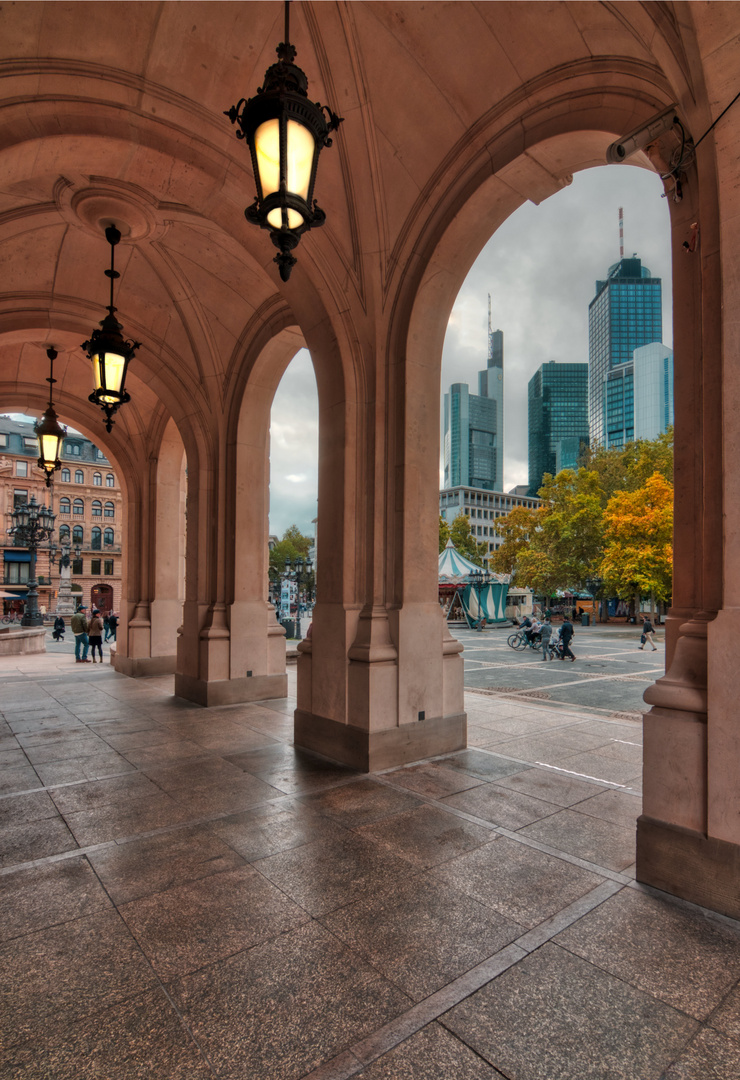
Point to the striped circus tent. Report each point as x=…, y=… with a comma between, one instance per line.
x=487, y=601
x=453, y=566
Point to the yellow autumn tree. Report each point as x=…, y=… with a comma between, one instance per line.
x=638, y=542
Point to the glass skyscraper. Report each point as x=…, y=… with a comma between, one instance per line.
x=653, y=390
x=557, y=419
x=625, y=313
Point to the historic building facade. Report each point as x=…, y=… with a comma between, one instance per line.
x=86, y=498
x=431, y=158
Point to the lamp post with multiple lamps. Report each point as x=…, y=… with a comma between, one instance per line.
x=299, y=571
x=479, y=579
x=32, y=526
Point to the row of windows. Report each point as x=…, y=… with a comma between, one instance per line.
x=74, y=449
x=78, y=567
x=66, y=477
x=78, y=535
x=78, y=507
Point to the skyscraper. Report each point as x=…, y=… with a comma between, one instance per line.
x=625, y=313
x=474, y=424
x=557, y=419
x=653, y=390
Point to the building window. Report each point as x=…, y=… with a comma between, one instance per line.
x=21, y=468
x=108, y=567
x=17, y=573
x=97, y=535
x=77, y=535
x=29, y=443
x=108, y=536
x=66, y=476
x=110, y=510
x=20, y=497
x=95, y=567
x=64, y=506
x=78, y=507
x=73, y=449
x=110, y=479
x=64, y=534
x=79, y=476
x=77, y=567
x=97, y=479
x=3, y=439
x=97, y=508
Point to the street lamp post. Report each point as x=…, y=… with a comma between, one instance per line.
x=32, y=525
x=479, y=579
x=298, y=571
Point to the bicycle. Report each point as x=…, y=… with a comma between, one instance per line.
x=519, y=641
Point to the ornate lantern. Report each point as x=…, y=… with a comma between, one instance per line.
x=285, y=133
x=109, y=351
x=49, y=431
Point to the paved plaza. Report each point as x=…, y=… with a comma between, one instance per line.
x=185, y=896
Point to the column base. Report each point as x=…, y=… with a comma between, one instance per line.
x=230, y=691
x=371, y=751
x=689, y=864
x=140, y=666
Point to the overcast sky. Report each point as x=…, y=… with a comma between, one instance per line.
x=540, y=268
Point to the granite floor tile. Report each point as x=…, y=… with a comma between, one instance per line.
x=483, y=766
x=513, y=724
x=431, y=1054
x=110, y=792
x=194, y=775
x=676, y=954
x=360, y=803
x=422, y=935
x=232, y=738
x=227, y=797
x=193, y=925
x=282, y=1008
x=266, y=830
x=19, y=779
x=55, y=976
x=592, y=839
x=426, y=836
x=21, y=809
x=292, y=770
x=621, y=750
x=62, y=749
x=127, y=819
x=326, y=875
x=44, y=724
x=156, y=863
x=34, y=840
x=612, y=730
x=549, y=785
x=512, y=809
x=74, y=770
x=709, y=1056
x=619, y=807
x=163, y=754
x=42, y=896
x=544, y=749
x=140, y=1039
x=123, y=725
x=12, y=759
x=726, y=1018
x=141, y=737
x=606, y=769
x=555, y=1017
x=521, y=883
x=433, y=779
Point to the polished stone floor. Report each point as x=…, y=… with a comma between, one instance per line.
x=184, y=896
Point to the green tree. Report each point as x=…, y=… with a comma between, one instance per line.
x=638, y=534
x=627, y=469
x=515, y=530
x=444, y=533
x=294, y=545
x=465, y=542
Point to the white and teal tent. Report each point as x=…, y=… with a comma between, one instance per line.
x=488, y=602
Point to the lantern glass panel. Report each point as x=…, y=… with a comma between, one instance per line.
x=267, y=147
x=108, y=369
x=300, y=158
x=49, y=449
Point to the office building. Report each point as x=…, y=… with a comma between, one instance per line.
x=557, y=419
x=483, y=508
x=653, y=390
x=624, y=314
x=474, y=424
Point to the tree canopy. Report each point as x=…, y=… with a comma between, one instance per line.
x=294, y=545
x=465, y=542
x=638, y=536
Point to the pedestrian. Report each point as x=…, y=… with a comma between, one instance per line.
x=566, y=636
x=648, y=634
x=95, y=631
x=106, y=626
x=113, y=624
x=80, y=626
x=545, y=633
x=59, y=628
x=481, y=624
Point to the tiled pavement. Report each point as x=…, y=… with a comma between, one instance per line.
x=184, y=896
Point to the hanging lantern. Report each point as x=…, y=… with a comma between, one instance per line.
x=109, y=351
x=49, y=431
x=285, y=133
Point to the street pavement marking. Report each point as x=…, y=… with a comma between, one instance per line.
x=586, y=776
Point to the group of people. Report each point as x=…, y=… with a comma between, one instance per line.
x=88, y=632
x=549, y=636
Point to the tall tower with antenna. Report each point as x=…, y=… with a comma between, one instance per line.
x=491, y=386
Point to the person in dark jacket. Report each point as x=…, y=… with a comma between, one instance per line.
x=648, y=634
x=59, y=628
x=566, y=636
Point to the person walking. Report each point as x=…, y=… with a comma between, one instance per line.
x=566, y=636
x=106, y=626
x=96, y=635
x=59, y=628
x=113, y=624
x=79, y=625
x=545, y=634
x=648, y=634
